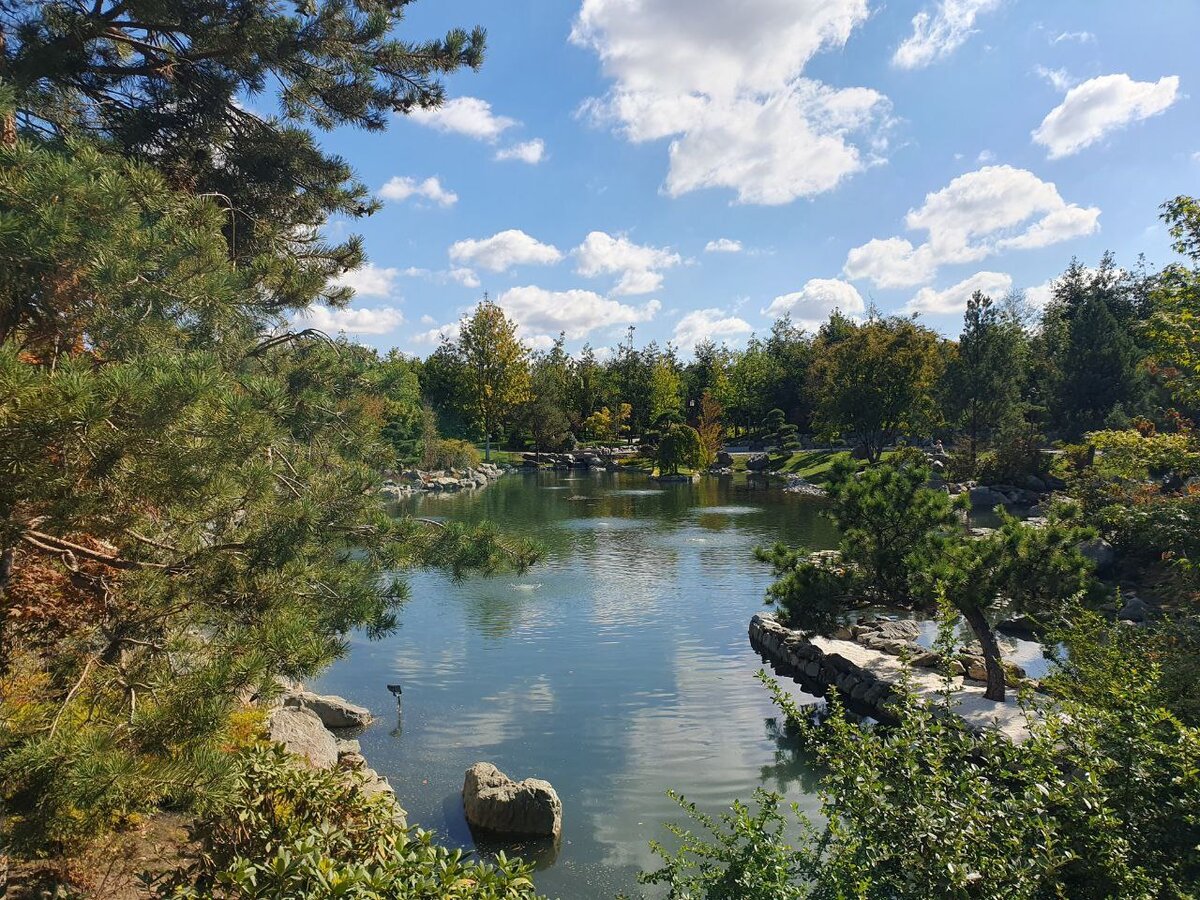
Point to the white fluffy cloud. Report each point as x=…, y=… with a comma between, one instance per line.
x=531, y=152
x=370, y=280
x=1040, y=295
x=723, y=81
x=401, y=188
x=638, y=265
x=503, y=250
x=975, y=216
x=1102, y=105
x=448, y=331
x=812, y=304
x=723, y=245
x=953, y=300
x=939, y=33
x=465, y=115
x=353, y=321
x=576, y=312
x=708, y=324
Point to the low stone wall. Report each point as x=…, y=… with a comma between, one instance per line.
x=791, y=655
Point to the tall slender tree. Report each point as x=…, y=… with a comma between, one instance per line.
x=984, y=377
x=496, y=369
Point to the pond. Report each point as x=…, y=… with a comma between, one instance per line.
x=617, y=668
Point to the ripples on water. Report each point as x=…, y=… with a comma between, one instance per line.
x=618, y=670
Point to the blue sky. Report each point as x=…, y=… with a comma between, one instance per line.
x=696, y=167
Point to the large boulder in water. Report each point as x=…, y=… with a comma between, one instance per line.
x=496, y=803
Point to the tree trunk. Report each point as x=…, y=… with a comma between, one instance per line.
x=991, y=652
x=8, y=122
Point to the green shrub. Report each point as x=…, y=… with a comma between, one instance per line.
x=451, y=453
x=293, y=832
x=1099, y=802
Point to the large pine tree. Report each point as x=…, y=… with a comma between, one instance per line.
x=221, y=96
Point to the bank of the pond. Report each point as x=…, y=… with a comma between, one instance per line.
x=867, y=678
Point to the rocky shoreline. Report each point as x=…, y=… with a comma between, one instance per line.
x=863, y=663
x=319, y=729
x=400, y=485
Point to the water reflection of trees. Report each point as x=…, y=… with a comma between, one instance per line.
x=794, y=769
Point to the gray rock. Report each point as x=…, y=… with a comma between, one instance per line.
x=494, y=802
x=899, y=630
x=334, y=712
x=759, y=462
x=1033, y=483
x=1100, y=552
x=1134, y=610
x=986, y=498
x=724, y=459
x=302, y=733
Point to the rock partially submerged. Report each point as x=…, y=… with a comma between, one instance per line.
x=334, y=712
x=494, y=802
x=298, y=726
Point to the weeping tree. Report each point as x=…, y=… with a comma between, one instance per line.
x=679, y=446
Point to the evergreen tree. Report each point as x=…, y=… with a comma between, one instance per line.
x=1089, y=354
x=189, y=506
x=984, y=377
x=179, y=84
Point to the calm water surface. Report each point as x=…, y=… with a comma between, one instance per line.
x=617, y=668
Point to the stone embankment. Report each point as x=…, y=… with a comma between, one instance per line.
x=399, y=485
x=317, y=727
x=864, y=665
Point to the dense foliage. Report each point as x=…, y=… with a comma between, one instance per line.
x=188, y=509
x=1100, y=801
x=289, y=831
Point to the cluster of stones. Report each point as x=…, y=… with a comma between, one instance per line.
x=311, y=726
x=397, y=486
x=792, y=655
x=899, y=638
x=606, y=458
x=315, y=728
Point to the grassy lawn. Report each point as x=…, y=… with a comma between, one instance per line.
x=512, y=457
